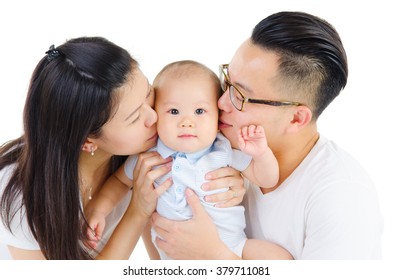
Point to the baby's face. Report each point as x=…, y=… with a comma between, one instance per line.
x=187, y=113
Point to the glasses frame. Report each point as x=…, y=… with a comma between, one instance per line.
x=225, y=84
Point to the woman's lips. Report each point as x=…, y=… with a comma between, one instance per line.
x=154, y=137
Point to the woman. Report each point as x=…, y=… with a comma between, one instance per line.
x=88, y=106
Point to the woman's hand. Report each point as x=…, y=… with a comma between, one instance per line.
x=145, y=195
x=196, y=238
x=143, y=203
x=225, y=177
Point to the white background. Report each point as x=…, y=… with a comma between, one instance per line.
x=159, y=32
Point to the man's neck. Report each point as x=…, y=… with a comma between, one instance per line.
x=293, y=152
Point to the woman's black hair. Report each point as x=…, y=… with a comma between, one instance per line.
x=71, y=96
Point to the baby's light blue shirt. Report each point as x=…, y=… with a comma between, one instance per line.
x=188, y=171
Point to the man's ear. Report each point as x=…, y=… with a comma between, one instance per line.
x=301, y=117
x=89, y=146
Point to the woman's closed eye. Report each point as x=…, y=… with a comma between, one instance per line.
x=136, y=119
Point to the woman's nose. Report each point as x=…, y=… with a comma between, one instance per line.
x=151, y=116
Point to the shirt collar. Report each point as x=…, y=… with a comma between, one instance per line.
x=165, y=152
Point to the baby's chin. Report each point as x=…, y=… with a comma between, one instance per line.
x=190, y=149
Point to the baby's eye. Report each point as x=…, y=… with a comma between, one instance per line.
x=199, y=111
x=174, y=111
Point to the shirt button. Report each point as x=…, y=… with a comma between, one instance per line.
x=179, y=190
x=177, y=167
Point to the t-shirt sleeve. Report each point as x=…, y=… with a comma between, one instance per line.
x=240, y=160
x=129, y=166
x=342, y=223
x=21, y=236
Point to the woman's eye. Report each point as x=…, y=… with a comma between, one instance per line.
x=174, y=111
x=199, y=111
x=137, y=119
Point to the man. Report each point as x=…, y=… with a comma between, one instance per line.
x=324, y=205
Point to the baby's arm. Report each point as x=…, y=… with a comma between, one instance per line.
x=263, y=169
x=111, y=193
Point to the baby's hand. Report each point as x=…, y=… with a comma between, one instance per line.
x=96, y=221
x=252, y=140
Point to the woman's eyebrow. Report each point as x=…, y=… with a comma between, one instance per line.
x=148, y=93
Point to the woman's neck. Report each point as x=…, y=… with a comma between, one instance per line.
x=93, y=172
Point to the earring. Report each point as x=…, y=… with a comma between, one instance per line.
x=92, y=151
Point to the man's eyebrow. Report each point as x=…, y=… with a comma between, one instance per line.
x=244, y=87
x=240, y=85
x=147, y=95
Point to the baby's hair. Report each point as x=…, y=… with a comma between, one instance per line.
x=185, y=68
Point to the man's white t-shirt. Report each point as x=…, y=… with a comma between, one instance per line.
x=21, y=236
x=326, y=209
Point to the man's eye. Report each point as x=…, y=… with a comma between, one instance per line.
x=174, y=111
x=199, y=111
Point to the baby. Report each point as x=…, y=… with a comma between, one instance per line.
x=186, y=104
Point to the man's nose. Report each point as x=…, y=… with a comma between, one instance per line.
x=224, y=103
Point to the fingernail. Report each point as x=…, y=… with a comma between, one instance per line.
x=189, y=192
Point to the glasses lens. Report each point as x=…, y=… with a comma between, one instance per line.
x=223, y=81
x=236, y=98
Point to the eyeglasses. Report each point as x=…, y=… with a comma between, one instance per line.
x=237, y=97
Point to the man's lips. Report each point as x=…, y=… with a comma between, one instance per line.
x=222, y=124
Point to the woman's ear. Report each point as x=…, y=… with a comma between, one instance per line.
x=301, y=117
x=89, y=146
